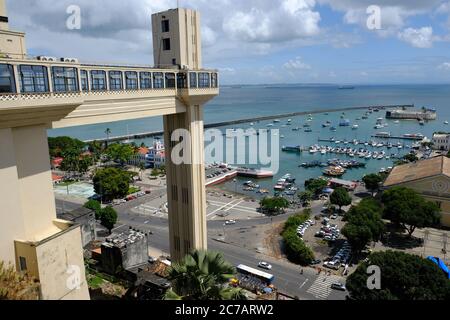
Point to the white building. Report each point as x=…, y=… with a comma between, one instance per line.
x=156, y=155
x=441, y=141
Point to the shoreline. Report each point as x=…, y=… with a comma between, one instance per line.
x=150, y=134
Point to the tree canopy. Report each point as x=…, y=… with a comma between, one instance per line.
x=403, y=277
x=364, y=224
x=95, y=206
x=112, y=183
x=274, y=205
x=108, y=218
x=372, y=182
x=203, y=275
x=120, y=152
x=296, y=249
x=341, y=197
x=316, y=185
x=60, y=146
x=406, y=208
x=305, y=197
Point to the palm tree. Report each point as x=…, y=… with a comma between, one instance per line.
x=203, y=275
x=107, y=132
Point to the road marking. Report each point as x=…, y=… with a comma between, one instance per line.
x=303, y=284
x=321, y=287
x=238, y=208
x=218, y=209
x=234, y=205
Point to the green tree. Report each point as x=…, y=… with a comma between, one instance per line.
x=340, y=197
x=305, y=197
x=403, y=277
x=120, y=152
x=408, y=209
x=96, y=148
x=112, y=183
x=203, y=275
x=295, y=248
x=17, y=286
x=372, y=182
x=95, y=206
x=108, y=133
x=316, y=186
x=58, y=146
x=274, y=205
x=364, y=224
x=410, y=157
x=108, y=218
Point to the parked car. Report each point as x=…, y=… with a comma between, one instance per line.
x=316, y=262
x=334, y=216
x=338, y=286
x=264, y=265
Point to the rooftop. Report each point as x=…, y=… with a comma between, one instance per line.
x=121, y=240
x=419, y=170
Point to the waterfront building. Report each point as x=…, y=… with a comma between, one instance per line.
x=38, y=93
x=430, y=178
x=404, y=114
x=140, y=157
x=441, y=141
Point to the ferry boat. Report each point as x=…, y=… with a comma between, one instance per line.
x=291, y=149
x=256, y=173
x=383, y=135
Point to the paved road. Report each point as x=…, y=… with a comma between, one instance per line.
x=288, y=279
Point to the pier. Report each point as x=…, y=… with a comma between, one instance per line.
x=151, y=134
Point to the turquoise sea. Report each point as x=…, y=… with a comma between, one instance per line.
x=253, y=101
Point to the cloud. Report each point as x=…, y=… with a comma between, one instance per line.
x=444, y=66
x=296, y=64
x=269, y=22
x=419, y=38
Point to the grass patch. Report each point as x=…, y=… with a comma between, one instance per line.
x=132, y=190
x=94, y=281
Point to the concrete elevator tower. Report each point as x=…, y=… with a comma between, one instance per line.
x=43, y=92
x=177, y=44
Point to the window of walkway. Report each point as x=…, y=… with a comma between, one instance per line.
x=33, y=79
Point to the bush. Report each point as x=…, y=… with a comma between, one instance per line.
x=296, y=250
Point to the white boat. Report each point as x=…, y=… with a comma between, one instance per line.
x=270, y=125
x=252, y=124
x=397, y=121
x=445, y=122
x=355, y=127
x=276, y=120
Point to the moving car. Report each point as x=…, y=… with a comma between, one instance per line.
x=230, y=222
x=264, y=265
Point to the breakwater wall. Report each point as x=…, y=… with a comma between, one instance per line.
x=151, y=134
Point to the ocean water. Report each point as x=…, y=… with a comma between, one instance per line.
x=253, y=101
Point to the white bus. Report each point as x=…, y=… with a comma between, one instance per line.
x=261, y=275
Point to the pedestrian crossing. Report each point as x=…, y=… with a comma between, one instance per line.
x=321, y=287
x=147, y=210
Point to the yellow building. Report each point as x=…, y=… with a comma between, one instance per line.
x=430, y=178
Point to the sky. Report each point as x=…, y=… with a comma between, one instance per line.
x=260, y=41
